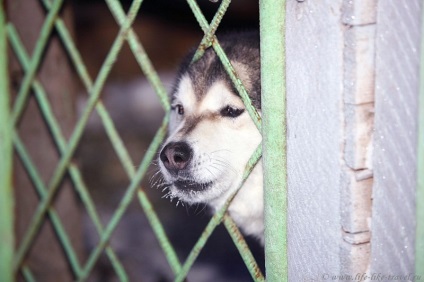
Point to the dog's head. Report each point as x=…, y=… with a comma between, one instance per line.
x=211, y=135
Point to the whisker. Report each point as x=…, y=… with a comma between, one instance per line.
x=213, y=175
x=221, y=150
x=219, y=160
x=152, y=178
x=224, y=165
x=166, y=187
x=160, y=185
x=216, y=167
x=159, y=182
x=203, y=208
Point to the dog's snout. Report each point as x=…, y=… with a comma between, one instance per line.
x=176, y=156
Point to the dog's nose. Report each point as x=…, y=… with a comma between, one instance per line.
x=176, y=156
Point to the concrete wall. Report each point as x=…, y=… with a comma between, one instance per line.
x=352, y=86
x=314, y=95
x=397, y=61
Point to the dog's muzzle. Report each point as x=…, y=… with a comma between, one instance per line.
x=176, y=158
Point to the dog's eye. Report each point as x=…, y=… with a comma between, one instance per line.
x=180, y=109
x=229, y=111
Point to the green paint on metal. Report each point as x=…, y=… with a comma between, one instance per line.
x=112, y=132
x=115, y=140
x=54, y=217
x=210, y=34
x=88, y=203
x=238, y=85
x=126, y=200
x=419, y=239
x=75, y=138
x=140, y=54
x=217, y=218
x=227, y=65
x=272, y=30
x=74, y=172
x=159, y=231
x=39, y=48
x=28, y=276
x=243, y=249
x=47, y=192
x=7, y=242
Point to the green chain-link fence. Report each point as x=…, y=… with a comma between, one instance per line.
x=273, y=117
x=271, y=124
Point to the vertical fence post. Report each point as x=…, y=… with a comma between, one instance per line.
x=419, y=239
x=6, y=192
x=272, y=33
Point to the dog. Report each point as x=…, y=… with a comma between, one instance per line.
x=211, y=135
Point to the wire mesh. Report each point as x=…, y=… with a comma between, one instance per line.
x=31, y=64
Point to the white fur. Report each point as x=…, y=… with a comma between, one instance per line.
x=222, y=147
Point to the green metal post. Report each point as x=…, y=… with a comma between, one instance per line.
x=6, y=149
x=272, y=33
x=419, y=239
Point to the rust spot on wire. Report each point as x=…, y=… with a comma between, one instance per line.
x=243, y=249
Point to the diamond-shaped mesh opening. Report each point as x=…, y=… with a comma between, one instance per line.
x=28, y=196
x=32, y=120
x=139, y=249
x=131, y=204
x=101, y=170
x=94, y=45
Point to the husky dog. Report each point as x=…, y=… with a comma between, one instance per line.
x=211, y=135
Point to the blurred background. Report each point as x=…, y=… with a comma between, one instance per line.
x=167, y=29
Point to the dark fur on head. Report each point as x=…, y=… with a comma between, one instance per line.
x=243, y=52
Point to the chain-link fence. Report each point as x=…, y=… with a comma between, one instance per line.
x=31, y=87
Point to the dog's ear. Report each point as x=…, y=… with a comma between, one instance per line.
x=242, y=72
